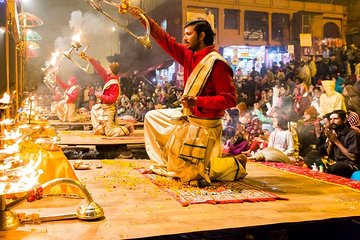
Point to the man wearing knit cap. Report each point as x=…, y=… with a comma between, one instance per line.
x=306, y=131
x=66, y=108
x=104, y=114
x=354, y=120
x=310, y=114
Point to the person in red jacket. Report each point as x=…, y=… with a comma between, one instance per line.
x=104, y=114
x=186, y=144
x=66, y=108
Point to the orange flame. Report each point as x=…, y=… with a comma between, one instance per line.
x=12, y=135
x=7, y=121
x=19, y=179
x=76, y=37
x=6, y=98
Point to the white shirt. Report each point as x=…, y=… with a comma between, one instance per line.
x=282, y=140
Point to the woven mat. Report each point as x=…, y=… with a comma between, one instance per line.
x=217, y=193
x=321, y=176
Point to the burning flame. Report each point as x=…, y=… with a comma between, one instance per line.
x=21, y=178
x=7, y=121
x=10, y=150
x=12, y=135
x=5, y=99
x=76, y=37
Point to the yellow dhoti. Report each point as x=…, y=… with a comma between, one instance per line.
x=188, y=150
x=66, y=112
x=104, y=121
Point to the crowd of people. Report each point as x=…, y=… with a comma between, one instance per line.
x=302, y=113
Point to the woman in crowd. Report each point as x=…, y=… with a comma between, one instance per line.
x=285, y=98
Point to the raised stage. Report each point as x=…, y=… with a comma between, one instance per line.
x=136, y=208
x=86, y=125
x=89, y=138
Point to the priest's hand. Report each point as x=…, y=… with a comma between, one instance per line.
x=136, y=12
x=188, y=101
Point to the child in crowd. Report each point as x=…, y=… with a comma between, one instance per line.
x=259, y=142
x=238, y=143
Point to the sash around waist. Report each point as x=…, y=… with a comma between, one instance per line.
x=205, y=123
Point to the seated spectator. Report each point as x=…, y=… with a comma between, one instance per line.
x=330, y=100
x=231, y=119
x=301, y=86
x=301, y=101
x=244, y=114
x=285, y=98
x=263, y=101
x=238, y=143
x=281, y=144
x=343, y=145
x=281, y=138
x=140, y=112
x=315, y=101
x=259, y=142
x=353, y=119
x=306, y=131
x=339, y=84
x=352, y=98
x=318, y=155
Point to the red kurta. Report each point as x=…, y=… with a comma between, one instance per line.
x=71, y=96
x=111, y=94
x=219, y=92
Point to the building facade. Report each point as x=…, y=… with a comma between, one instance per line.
x=252, y=32
x=269, y=22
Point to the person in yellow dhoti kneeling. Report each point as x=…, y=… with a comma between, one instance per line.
x=66, y=108
x=187, y=146
x=104, y=114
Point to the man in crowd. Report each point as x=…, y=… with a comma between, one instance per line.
x=343, y=145
x=330, y=100
x=187, y=146
x=104, y=114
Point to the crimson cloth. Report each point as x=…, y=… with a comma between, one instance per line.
x=219, y=92
x=71, y=96
x=110, y=95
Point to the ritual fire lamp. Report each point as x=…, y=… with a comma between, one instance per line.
x=88, y=210
x=76, y=45
x=51, y=69
x=5, y=99
x=4, y=131
x=20, y=178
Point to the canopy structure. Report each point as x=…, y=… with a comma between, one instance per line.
x=28, y=20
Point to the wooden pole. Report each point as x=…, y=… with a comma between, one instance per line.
x=16, y=80
x=7, y=57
